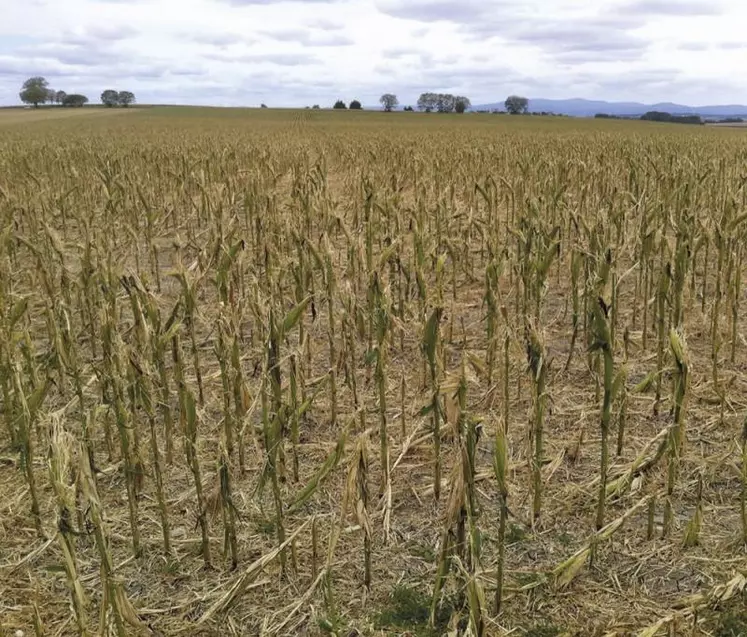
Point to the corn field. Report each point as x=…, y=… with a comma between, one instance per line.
x=290, y=373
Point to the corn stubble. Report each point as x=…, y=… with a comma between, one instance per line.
x=194, y=325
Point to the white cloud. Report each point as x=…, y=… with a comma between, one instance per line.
x=243, y=52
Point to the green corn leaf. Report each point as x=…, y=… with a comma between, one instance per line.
x=173, y=330
x=19, y=309
x=292, y=318
x=544, y=266
x=619, y=381
x=645, y=384
x=567, y=571
x=332, y=460
x=441, y=262
x=500, y=461
x=372, y=356
x=426, y=410
x=430, y=335
x=37, y=397
x=387, y=254
x=191, y=413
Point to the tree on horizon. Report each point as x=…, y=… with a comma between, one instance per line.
x=389, y=101
x=34, y=91
x=516, y=105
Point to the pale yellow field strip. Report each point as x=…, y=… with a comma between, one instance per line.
x=23, y=115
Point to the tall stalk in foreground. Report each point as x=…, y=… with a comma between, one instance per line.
x=500, y=467
x=665, y=279
x=692, y=530
x=743, y=497
x=133, y=467
x=60, y=460
x=274, y=420
x=189, y=418
x=601, y=332
x=380, y=322
x=146, y=396
x=430, y=347
x=357, y=489
x=576, y=263
x=681, y=383
x=189, y=294
x=273, y=426
x=160, y=339
x=227, y=506
x=538, y=366
x=677, y=431
x=115, y=599
x=450, y=541
x=623, y=392
x=28, y=409
x=491, y=319
x=330, y=283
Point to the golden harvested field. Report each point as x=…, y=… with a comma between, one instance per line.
x=307, y=372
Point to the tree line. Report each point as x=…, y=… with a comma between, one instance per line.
x=657, y=116
x=36, y=90
x=355, y=105
x=438, y=103
x=443, y=103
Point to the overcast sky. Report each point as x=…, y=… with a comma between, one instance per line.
x=296, y=53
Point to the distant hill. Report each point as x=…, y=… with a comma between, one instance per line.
x=589, y=108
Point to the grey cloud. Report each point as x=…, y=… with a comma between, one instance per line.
x=279, y=59
x=632, y=80
x=263, y=88
x=326, y=25
x=657, y=85
x=413, y=60
x=591, y=56
x=149, y=72
x=694, y=46
x=61, y=73
x=12, y=66
x=82, y=56
x=218, y=39
x=589, y=40
x=332, y=40
x=283, y=59
x=570, y=36
x=308, y=38
x=93, y=35
x=669, y=7
x=91, y=55
x=462, y=79
x=435, y=10
x=188, y=72
x=579, y=38
x=120, y=32
x=399, y=53
x=702, y=85
x=556, y=32
x=286, y=35
x=465, y=75
x=249, y=3
x=386, y=69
